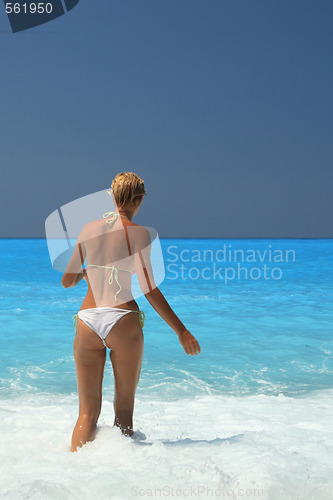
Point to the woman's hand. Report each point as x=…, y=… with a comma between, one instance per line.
x=189, y=343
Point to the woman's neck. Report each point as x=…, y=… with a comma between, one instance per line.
x=126, y=213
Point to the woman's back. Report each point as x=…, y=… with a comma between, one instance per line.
x=109, y=250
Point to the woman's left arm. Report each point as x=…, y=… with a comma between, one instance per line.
x=74, y=271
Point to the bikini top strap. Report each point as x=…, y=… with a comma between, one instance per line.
x=113, y=216
x=113, y=274
x=109, y=267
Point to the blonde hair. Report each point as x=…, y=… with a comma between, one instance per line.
x=126, y=188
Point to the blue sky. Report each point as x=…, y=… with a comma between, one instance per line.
x=224, y=108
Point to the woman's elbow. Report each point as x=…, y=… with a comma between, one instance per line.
x=65, y=282
x=151, y=292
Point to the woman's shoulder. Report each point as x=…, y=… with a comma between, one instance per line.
x=141, y=235
x=90, y=229
x=141, y=231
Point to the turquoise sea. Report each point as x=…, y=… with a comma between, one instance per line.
x=250, y=416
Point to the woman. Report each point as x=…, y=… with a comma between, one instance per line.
x=114, y=247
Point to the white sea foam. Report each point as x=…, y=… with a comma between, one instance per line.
x=271, y=447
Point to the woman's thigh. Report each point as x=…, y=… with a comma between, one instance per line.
x=126, y=343
x=89, y=355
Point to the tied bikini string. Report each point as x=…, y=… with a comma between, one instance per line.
x=75, y=321
x=112, y=216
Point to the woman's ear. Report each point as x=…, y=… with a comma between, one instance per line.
x=139, y=201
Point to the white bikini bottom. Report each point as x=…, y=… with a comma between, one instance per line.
x=102, y=319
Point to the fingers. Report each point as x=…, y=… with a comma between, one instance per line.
x=189, y=343
x=192, y=348
x=186, y=348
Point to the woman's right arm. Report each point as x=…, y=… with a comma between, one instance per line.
x=156, y=298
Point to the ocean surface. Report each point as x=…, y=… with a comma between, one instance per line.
x=249, y=417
